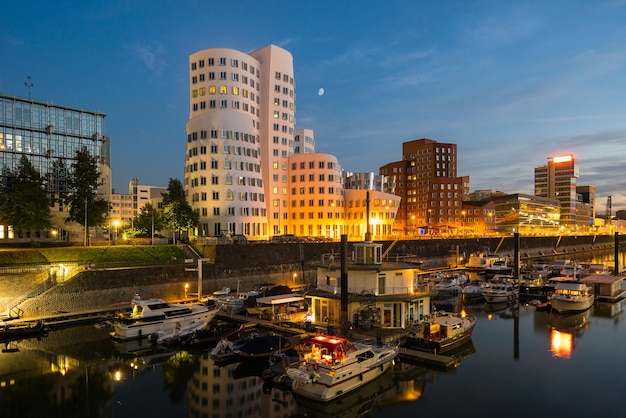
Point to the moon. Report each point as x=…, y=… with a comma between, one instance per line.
x=320, y=92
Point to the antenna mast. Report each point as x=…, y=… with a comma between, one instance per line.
x=28, y=85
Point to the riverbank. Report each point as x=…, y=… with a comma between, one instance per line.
x=242, y=266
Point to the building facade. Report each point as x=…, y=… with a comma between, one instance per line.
x=240, y=134
x=526, y=214
x=49, y=135
x=557, y=180
x=432, y=192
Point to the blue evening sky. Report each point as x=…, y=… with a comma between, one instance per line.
x=510, y=82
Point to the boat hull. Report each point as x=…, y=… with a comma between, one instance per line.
x=320, y=391
x=140, y=329
x=571, y=305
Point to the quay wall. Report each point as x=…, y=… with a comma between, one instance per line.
x=243, y=266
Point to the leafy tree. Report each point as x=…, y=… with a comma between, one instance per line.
x=83, y=198
x=148, y=216
x=25, y=204
x=177, y=214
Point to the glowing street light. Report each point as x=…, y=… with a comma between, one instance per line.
x=186, y=290
x=116, y=223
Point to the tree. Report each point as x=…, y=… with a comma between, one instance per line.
x=148, y=220
x=177, y=213
x=86, y=206
x=25, y=204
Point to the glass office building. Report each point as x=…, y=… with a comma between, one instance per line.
x=49, y=135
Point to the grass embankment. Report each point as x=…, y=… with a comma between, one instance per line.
x=121, y=254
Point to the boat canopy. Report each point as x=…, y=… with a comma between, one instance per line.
x=279, y=299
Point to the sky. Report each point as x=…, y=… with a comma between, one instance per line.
x=510, y=82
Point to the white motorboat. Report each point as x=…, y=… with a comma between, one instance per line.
x=473, y=291
x=500, y=291
x=448, y=286
x=179, y=332
x=571, y=296
x=481, y=261
x=154, y=316
x=331, y=366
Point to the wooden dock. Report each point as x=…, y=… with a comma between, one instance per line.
x=431, y=359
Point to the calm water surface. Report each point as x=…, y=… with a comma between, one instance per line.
x=521, y=362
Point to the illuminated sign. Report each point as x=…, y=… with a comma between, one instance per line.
x=563, y=158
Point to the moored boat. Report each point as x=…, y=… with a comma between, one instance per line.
x=473, y=291
x=253, y=346
x=331, y=366
x=153, y=316
x=571, y=296
x=9, y=333
x=179, y=332
x=443, y=332
x=501, y=291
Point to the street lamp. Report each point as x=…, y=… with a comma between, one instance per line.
x=295, y=276
x=186, y=290
x=463, y=223
x=116, y=223
x=333, y=215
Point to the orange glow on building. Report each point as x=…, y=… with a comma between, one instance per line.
x=563, y=158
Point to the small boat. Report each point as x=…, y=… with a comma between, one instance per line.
x=498, y=267
x=481, y=261
x=9, y=333
x=448, y=286
x=330, y=366
x=501, y=291
x=571, y=296
x=152, y=316
x=473, y=291
x=253, y=346
x=179, y=332
x=442, y=332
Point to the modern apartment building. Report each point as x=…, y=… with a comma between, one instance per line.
x=432, y=193
x=240, y=134
x=557, y=180
x=49, y=135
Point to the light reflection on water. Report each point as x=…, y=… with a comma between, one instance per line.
x=521, y=361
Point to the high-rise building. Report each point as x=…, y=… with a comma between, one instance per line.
x=240, y=134
x=49, y=136
x=557, y=180
x=432, y=193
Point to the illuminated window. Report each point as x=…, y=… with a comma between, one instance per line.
x=202, y=91
x=211, y=89
x=223, y=89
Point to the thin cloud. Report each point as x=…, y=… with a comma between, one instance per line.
x=150, y=57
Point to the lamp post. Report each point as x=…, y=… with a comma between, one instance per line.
x=428, y=222
x=332, y=205
x=463, y=223
x=116, y=223
x=186, y=290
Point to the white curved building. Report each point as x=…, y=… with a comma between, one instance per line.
x=239, y=137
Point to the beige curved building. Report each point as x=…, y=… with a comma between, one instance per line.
x=239, y=137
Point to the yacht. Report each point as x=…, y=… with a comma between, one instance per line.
x=571, y=296
x=501, y=291
x=330, y=366
x=150, y=317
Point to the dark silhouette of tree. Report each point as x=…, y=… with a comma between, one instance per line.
x=86, y=206
x=148, y=216
x=25, y=204
x=177, y=213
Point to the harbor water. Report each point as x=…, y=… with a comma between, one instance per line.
x=521, y=362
